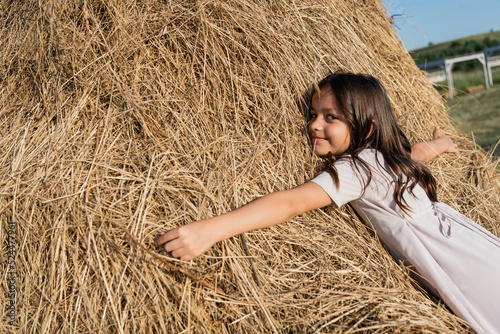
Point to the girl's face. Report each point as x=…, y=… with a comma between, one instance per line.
x=327, y=126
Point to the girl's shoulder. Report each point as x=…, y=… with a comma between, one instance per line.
x=368, y=163
x=350, y=176
x=369, y=155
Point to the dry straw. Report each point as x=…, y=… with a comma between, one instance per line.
x=122, y=119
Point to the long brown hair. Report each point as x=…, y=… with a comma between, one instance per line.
x=365, y=105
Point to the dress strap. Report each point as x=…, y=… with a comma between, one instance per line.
x=447, y=214
x=444, y=221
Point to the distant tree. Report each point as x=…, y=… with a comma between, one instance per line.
x=468, y=47
x=488, y=42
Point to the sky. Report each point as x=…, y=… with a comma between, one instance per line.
x=420, y=22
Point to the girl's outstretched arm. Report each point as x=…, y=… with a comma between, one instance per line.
x=189, y=241
x=426, y=151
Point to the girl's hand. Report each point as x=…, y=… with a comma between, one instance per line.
x=188, y=241
x=426, y=151
x=446, y=144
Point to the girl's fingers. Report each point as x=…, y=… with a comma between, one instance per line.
x=450, y=146
x=173, y=245
x=186, y=257
x=166, y=237
x=437, y=132
x=182, y=254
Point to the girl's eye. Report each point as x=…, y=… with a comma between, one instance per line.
x=331, y=117
x=312, y=116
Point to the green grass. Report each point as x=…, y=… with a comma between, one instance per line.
x=462, y=80
x=479, y=114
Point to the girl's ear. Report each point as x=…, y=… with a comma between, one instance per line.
x=372, y=129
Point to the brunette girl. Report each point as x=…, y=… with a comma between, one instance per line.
x=374, y=168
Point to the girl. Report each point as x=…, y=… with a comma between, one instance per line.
x=352, y=124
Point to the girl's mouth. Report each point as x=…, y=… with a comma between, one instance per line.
x=317, y=139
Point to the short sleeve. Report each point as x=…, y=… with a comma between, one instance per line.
x=350, y=184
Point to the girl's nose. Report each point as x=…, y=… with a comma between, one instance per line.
x=315, y=124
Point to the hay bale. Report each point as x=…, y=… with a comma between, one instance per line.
x=474, y=89
x=122, y=119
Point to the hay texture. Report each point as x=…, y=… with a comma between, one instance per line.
x=122, y=119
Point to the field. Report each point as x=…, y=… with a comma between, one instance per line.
x=477, y=114
x=462, y=80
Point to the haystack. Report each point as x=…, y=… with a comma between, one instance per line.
x=123, y=119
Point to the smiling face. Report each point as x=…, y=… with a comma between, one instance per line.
x=327, y=127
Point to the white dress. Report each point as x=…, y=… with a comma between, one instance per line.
x=458, y=259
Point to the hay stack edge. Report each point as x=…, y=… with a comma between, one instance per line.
x=122, y=119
